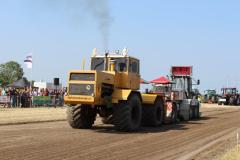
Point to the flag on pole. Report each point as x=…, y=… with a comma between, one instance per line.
x=28, y=62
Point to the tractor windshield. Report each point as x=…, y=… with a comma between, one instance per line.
x=97, y=64
x=211, y=92
x=160, y=89
x=183, y=84
x=121, y=64
x=180, y=84
x=230, y=91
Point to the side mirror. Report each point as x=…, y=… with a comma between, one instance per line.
x=198, y=82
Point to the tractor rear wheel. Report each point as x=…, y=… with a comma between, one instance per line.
x=197, y=112
x=153, y=115
x=231, y=101
x=81, y=116
x=191, y=112
x=127, y=115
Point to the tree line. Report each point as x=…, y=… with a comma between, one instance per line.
x=9, y=72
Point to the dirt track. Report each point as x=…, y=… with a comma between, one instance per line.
x=56, y=140
x=31, y=115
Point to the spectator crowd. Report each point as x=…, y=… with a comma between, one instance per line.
x=24, y=97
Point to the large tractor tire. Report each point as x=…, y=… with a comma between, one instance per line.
x=231, y=101
x=197, y=112
x=213, y=99
x=81, y=116
x=127, y=115
x=107, y=120
x=191, y=112
x=153, y=115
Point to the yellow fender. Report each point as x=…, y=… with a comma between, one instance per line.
x=149, y=98
x=120, y=94
x=123, y=94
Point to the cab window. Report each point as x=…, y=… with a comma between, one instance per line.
x=121, y=64
x=97, y=64
x=134, y=66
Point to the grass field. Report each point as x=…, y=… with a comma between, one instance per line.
x=233, y=154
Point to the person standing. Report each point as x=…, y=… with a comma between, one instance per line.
x=13, y=94
x=46, y=92
x=3, y=93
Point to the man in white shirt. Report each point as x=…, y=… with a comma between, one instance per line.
x=3, y=92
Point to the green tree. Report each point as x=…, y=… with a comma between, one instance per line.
x=10, y=72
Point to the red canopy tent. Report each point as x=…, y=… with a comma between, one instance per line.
x=161, y=80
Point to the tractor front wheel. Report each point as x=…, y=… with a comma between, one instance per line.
x=81, y=116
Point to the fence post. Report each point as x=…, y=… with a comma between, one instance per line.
x=237, y=141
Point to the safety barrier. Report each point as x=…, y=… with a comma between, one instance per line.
x=5, y=100
x=31, y=101
x=41, y=101
x=47, y=101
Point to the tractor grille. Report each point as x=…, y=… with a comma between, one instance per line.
x=81, y=89
x=82, y=76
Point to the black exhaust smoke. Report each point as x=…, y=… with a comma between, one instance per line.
x=99, y=9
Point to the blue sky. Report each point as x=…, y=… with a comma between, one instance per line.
x=203, y=33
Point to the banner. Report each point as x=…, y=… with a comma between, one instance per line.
x=42, y=100
x=4, y=99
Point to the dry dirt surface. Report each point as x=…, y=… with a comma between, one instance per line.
x=203, y=139
x=31, y=115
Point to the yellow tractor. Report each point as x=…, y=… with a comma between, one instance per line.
x=111, y=89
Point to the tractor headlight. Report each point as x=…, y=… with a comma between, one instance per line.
x=88, y=87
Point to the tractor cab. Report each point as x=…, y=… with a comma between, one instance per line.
x=229, y=91
x=101, y=63
x=125, y=69
x=160, y=88
x=210, y=92
x=182, y=81
x=115, y=62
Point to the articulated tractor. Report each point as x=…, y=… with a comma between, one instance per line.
x=111, y=90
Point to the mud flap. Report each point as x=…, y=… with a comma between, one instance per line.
x=171, y=113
